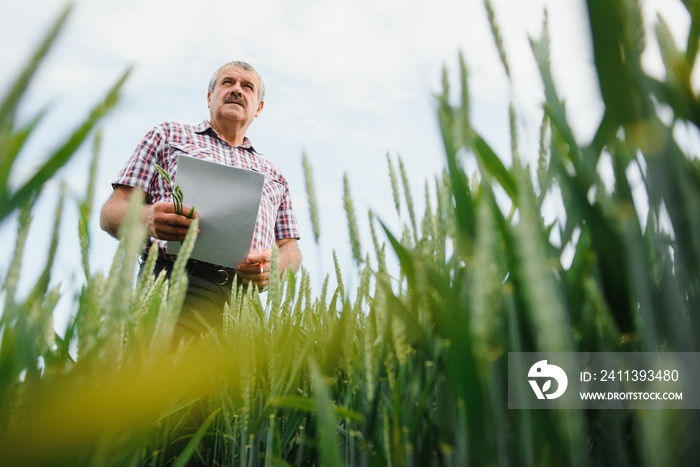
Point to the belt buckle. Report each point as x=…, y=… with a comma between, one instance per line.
x=226, y=275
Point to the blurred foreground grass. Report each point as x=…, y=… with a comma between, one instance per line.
x=407, y=370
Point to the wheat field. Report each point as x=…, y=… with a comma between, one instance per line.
x=406, y=368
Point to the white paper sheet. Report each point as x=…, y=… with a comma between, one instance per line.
x=227, y=200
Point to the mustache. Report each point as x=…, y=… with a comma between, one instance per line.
x=236, y=99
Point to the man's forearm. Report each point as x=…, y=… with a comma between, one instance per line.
x=113, y=213
x=116, y=208
x=289, y=255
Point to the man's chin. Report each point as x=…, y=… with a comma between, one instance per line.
x=233, y=116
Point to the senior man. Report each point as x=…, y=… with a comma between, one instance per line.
x=235, y=98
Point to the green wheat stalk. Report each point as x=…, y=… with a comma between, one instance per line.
x=177, y=288
x=44, y=279
x=175, y=191
x=409, y=199
x=321, y=302
x=544, y=300
x=428, y=218
x=117, y=299
x=13, y=272
x=369, y=355
x=442, y=217
x=543, y=156
x=85, y=206
x=485, y=281
x=352, y=222
x=394, y=185
x=338, y=276
x=496, y=32
x=304, y=300
x=513, y=123
x=378, y=250
x=87, y=320
x=311, y=194
x=465, y=108
x=274, y=295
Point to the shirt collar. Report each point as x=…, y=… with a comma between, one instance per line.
x=205, y=126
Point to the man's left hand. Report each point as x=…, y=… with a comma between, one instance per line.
x=256, y=269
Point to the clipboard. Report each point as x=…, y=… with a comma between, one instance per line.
x=227, y=200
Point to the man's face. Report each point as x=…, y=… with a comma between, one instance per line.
x=235, y=97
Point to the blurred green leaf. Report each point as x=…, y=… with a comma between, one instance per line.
x=63, y=154
x=618, y=41
x=330, y=453
x=184, y=458
x=494, y=166
x=11, y=144
x=8, y=107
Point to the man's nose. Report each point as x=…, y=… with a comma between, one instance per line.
x=237, y=88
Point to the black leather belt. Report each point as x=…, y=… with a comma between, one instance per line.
x=210, y=272
x=215, y=274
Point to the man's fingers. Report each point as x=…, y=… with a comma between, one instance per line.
x=261, y=284
x=253, y=268
x=252, y=273
x=249, y=273
x=164, y=207
x=167, y=207
x=171, y=218
x=165, y=224
x=167, y=232
x=259, y=256
x=256, y=269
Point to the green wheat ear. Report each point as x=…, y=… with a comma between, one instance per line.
x=409, y=199
x=311, y=194
x=164, y=174
x=175, y=191
x=85, y=205
x=496, y=33
x=352, y=222
x=394, y=185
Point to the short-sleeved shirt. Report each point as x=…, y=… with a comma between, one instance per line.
x=164, y=143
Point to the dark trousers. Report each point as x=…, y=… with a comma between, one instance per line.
x=208, y=290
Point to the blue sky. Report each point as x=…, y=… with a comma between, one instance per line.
x=347, y=83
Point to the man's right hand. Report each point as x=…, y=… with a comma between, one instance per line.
x=162, y=222
x=160, y=219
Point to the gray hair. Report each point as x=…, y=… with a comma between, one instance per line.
x=244, y=66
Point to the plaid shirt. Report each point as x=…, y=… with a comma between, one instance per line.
x=162, y=145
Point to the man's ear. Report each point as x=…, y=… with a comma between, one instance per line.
x=260, y=107
x=208, y=100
